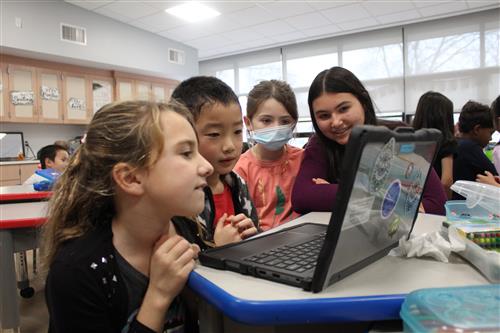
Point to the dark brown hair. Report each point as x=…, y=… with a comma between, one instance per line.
x=279, y=90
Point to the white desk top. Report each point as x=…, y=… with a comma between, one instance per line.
x=23, y=210
x=17, y=189
x=19, y=162
x=387, y=276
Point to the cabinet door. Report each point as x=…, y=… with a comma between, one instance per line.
x=75, y=99
x=159, y=92
x=50, y=92
x=124, y=90
x=102, y=93
x=143, y=91
x=4, y=112
x=22, y=94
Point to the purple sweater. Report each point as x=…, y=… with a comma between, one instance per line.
x=310, y=197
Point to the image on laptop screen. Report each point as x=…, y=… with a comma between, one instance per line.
x=383, y=202
x=11, y=146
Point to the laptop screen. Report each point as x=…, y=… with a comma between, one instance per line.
x=384, y=200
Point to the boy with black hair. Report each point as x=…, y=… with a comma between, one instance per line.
x=229, y=213
x=51, y=157
x=476, y=126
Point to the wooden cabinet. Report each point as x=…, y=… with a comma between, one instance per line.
x=4, y=112
x=76, y=99
x=22, y=94
x=102, y=92
x=50, y=92
x=16, y=174
x=125, y=89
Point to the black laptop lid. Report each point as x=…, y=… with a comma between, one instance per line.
x=384, y=173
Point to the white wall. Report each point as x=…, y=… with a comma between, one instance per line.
x=110, y=44
x=40, y=135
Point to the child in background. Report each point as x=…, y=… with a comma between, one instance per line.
x=229, y=213
x=115, y=261
x=434, y=110
x=495, y=109
x=338, y=101
x=51, y=157
x=476, y=126
x=270, y=166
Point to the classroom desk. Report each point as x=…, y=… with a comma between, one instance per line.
x=374, y=293
x=22, y=193
x=19, y=224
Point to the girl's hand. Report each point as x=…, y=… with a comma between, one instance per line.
x=245, y=225
x=319, y=181
x=170, y=264
x=488, y=178
x=225, y=233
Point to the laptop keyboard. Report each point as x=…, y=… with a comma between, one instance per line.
x=297, y=258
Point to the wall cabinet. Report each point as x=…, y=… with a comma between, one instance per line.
x=33, y=91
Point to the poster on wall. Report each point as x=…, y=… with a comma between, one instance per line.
x=49, y=94
x=76, y=104
x=22, y=97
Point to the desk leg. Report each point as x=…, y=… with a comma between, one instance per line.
x=9, y=302
x=210, y=319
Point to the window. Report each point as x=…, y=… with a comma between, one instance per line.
x=251, y=75
x=302, y=71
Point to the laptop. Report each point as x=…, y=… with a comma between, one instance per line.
x=383, y=177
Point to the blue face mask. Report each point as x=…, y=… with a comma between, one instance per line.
x=272, y=138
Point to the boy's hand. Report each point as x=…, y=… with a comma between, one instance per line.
x=245, y=225
x=171, y=262
x=225, y=232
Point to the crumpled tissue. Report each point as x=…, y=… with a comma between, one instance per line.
x=429, y=245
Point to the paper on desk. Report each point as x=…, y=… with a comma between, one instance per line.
x=429, y=245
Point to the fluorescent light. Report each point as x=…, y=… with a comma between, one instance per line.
x=192, y=11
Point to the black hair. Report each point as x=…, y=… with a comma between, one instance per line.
x=199, y=91
x=435, y=110
x=338, y=80
x=49, y=152
x=475, y=113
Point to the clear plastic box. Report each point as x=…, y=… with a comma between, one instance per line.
x=457, y=211
x=458, y=309
x=487, y=196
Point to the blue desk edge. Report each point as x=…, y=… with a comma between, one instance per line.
x=282, y=312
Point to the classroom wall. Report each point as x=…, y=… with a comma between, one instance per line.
x=40, y=135
x=110, y=44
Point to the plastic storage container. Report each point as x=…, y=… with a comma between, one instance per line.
x=459, y=309
x=487, y=196
x=457, y=211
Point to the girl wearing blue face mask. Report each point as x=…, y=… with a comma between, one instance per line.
x=269, y=167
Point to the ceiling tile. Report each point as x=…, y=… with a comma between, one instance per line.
x=162, y=21
x=478, y=4
x=359, y=24
x=251, y=16
x=242, y=35
x=106, y=11
x=292, y=36
x=321, y=4
x=323, y=31
x=346, y=13
x=209, y=42
x=225, y=7
x=222, y=24
x=88, y=4
x=263, y=42
x=399, y=17
x=377, y=8
x=307, y=21
x=421, y=4
x=283, y=9
x=443, y=8
x=273, y=28
x=133, y=10
x=185, y=33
